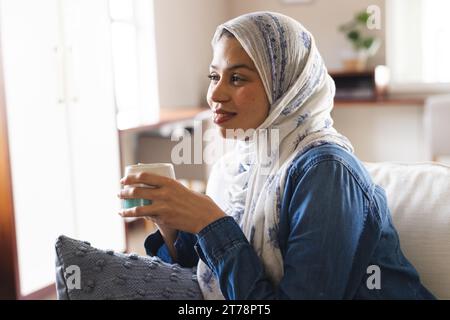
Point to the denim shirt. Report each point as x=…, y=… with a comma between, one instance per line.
x=336, y=238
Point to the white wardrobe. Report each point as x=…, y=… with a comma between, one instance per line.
x=63, y=139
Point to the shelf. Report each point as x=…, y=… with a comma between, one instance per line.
x=344, y=73
x=388, y=101
x=169, y=116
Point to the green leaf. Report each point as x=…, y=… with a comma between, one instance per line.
x=362, y=17
x=367, y=42
x=353, y=35
x=355, y=32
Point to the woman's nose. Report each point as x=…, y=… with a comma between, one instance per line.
x=219, y=92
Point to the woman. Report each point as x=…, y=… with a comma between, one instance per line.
x=307, y=222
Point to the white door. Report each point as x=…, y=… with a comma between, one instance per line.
x=37, y=132
x=94, y=136
x=61, y=127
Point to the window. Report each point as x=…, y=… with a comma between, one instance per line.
x=418, y=43
x=134, y=62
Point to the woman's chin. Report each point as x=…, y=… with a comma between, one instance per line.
x=235, y=133
x=225, y=132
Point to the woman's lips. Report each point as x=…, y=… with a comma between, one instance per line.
x=220, y=118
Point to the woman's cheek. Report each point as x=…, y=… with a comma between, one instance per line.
x=244, y=99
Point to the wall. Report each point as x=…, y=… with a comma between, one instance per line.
x=149, y=143
x=321, y=18
x=183, y=34
x=383, y=132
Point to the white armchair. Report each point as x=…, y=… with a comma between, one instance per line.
x=418, y=196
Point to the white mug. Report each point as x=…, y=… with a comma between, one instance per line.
x=161, y=169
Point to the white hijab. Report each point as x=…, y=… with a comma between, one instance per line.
x=300, y=93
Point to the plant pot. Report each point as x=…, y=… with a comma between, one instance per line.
x=355, y=64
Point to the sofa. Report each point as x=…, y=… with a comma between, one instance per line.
x=418, y=197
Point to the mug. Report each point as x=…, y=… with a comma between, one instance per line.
x=161, y=169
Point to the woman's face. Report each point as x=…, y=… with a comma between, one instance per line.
x=236, y=93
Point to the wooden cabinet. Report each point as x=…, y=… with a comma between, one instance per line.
x=62, y=134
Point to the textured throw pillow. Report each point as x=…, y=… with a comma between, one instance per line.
x=87, y=273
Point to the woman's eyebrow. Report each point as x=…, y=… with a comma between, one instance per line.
x=235, y=66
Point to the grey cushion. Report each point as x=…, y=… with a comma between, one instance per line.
x=105, y=274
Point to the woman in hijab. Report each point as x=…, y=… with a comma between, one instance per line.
x=300, y=220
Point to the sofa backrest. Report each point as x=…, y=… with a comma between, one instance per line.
x=418, y=197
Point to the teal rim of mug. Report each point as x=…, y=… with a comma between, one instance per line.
x=131, y=203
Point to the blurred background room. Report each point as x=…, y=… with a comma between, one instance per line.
x=88, y=87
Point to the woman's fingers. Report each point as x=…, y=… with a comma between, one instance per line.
x=143, y=193
x=146, y=178
x=151, y=211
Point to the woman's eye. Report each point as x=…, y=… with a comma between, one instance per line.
x=213, y=77
x=236, y=78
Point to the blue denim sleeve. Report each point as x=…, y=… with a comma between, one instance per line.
x=224, y=248
x=184, y=245
x=325, y=210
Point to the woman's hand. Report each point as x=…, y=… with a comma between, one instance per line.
x=173, y=205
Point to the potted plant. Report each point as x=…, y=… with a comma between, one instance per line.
x=364, y=44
